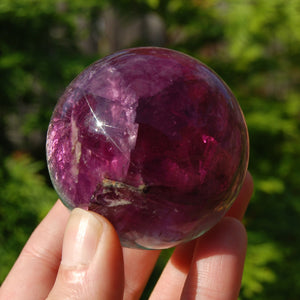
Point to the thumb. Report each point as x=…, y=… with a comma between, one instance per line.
x=92, y=262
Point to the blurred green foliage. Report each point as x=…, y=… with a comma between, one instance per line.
x=25, y=199
x=253, y=45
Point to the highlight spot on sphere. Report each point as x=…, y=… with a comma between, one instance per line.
x=153, y=140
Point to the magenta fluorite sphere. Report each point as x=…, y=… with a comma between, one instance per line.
x=153, y=140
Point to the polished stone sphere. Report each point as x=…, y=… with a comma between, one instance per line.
x=153, y=140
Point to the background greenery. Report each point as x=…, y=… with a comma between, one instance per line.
x=253, y=45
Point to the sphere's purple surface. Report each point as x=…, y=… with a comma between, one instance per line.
x=153, y=140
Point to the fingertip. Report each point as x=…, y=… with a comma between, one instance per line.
x=235, y=235
x=240, y=205
x=229, y=235
x=249, y=183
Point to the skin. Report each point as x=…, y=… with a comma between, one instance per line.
x=78, y=255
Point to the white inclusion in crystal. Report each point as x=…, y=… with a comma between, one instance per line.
x=76, y=149
x=91, y=74
x=114, y=81
x=114, y=203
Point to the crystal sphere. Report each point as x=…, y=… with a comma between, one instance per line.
x=153, y=140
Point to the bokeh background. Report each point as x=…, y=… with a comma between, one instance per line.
x=253, y=45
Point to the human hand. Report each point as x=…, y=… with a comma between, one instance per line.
x=78, y=255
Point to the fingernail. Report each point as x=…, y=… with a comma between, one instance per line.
x=81, y=238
